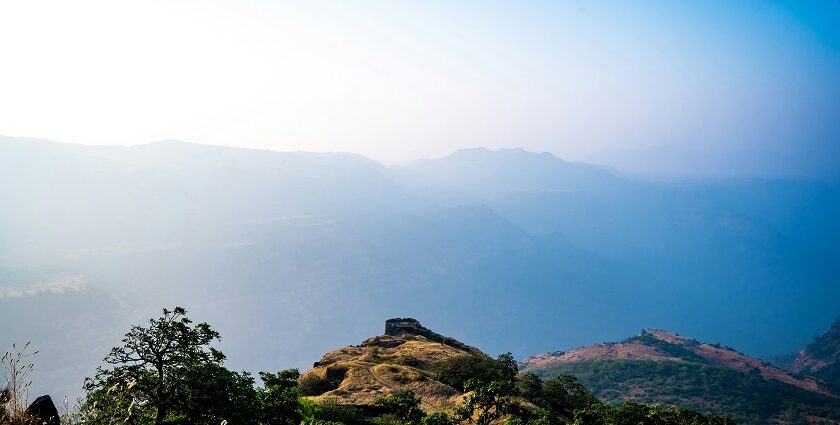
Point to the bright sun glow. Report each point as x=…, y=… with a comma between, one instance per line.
x=399, y=80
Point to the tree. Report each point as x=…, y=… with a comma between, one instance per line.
x=487, y=402
x=279, y=398
x=211, y=393
x=456, y=371
x=564, y=394
x=168, y=373
x=508, y=367
x=530, y=386
x=403, y=405
x=437, y=418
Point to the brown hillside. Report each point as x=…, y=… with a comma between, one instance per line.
x=403, y=358
x=659, y=345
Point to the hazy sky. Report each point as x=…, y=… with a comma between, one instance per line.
x=396, y=80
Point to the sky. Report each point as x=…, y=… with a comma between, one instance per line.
x=712, y=87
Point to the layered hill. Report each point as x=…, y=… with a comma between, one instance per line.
x=821, y=358
x=663, y=367
x=506, y=246
x=404, y=357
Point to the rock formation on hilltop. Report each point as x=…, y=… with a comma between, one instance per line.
x=408, y=326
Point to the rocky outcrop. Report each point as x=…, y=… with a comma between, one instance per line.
x=408, y=326
x=43, y=411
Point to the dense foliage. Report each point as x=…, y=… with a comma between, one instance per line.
x=457, y=371
x=746, y=397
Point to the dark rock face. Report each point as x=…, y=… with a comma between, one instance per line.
x=408, y=326
x=43, y=411
x=400, y=326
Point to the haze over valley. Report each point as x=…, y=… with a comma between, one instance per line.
x=291, y=254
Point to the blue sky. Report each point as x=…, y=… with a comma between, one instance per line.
x=727, y=88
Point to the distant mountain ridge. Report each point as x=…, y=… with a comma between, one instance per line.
x=504, y=170
x=662, y=346
x=657, y=366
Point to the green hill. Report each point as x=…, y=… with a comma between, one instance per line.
x=661, y=367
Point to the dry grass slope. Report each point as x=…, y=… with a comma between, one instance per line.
x=381, y=365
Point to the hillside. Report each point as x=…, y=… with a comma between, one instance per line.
x=662, y=367
x=821, y=358
x=404, y=357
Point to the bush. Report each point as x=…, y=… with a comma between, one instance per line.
x=402, y=405
x=332, y=412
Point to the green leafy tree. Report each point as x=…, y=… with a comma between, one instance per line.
x=530, y=387
x=167, y=372
x=437, y=418
x=212, y=394
x=563, y=394
x=535, y=417
x=487, y=402
x=507, y=366
x=331, y=413
x=456, y=371
x=279, y=399
x=634, y=414
x=403, y=405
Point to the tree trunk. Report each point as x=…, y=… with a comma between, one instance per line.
x=161, y=409
x=161, y=413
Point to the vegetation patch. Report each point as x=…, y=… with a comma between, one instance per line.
x=746, y=397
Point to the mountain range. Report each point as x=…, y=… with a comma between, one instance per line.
x=521, y=251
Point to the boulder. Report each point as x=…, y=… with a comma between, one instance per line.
x=43, y=411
